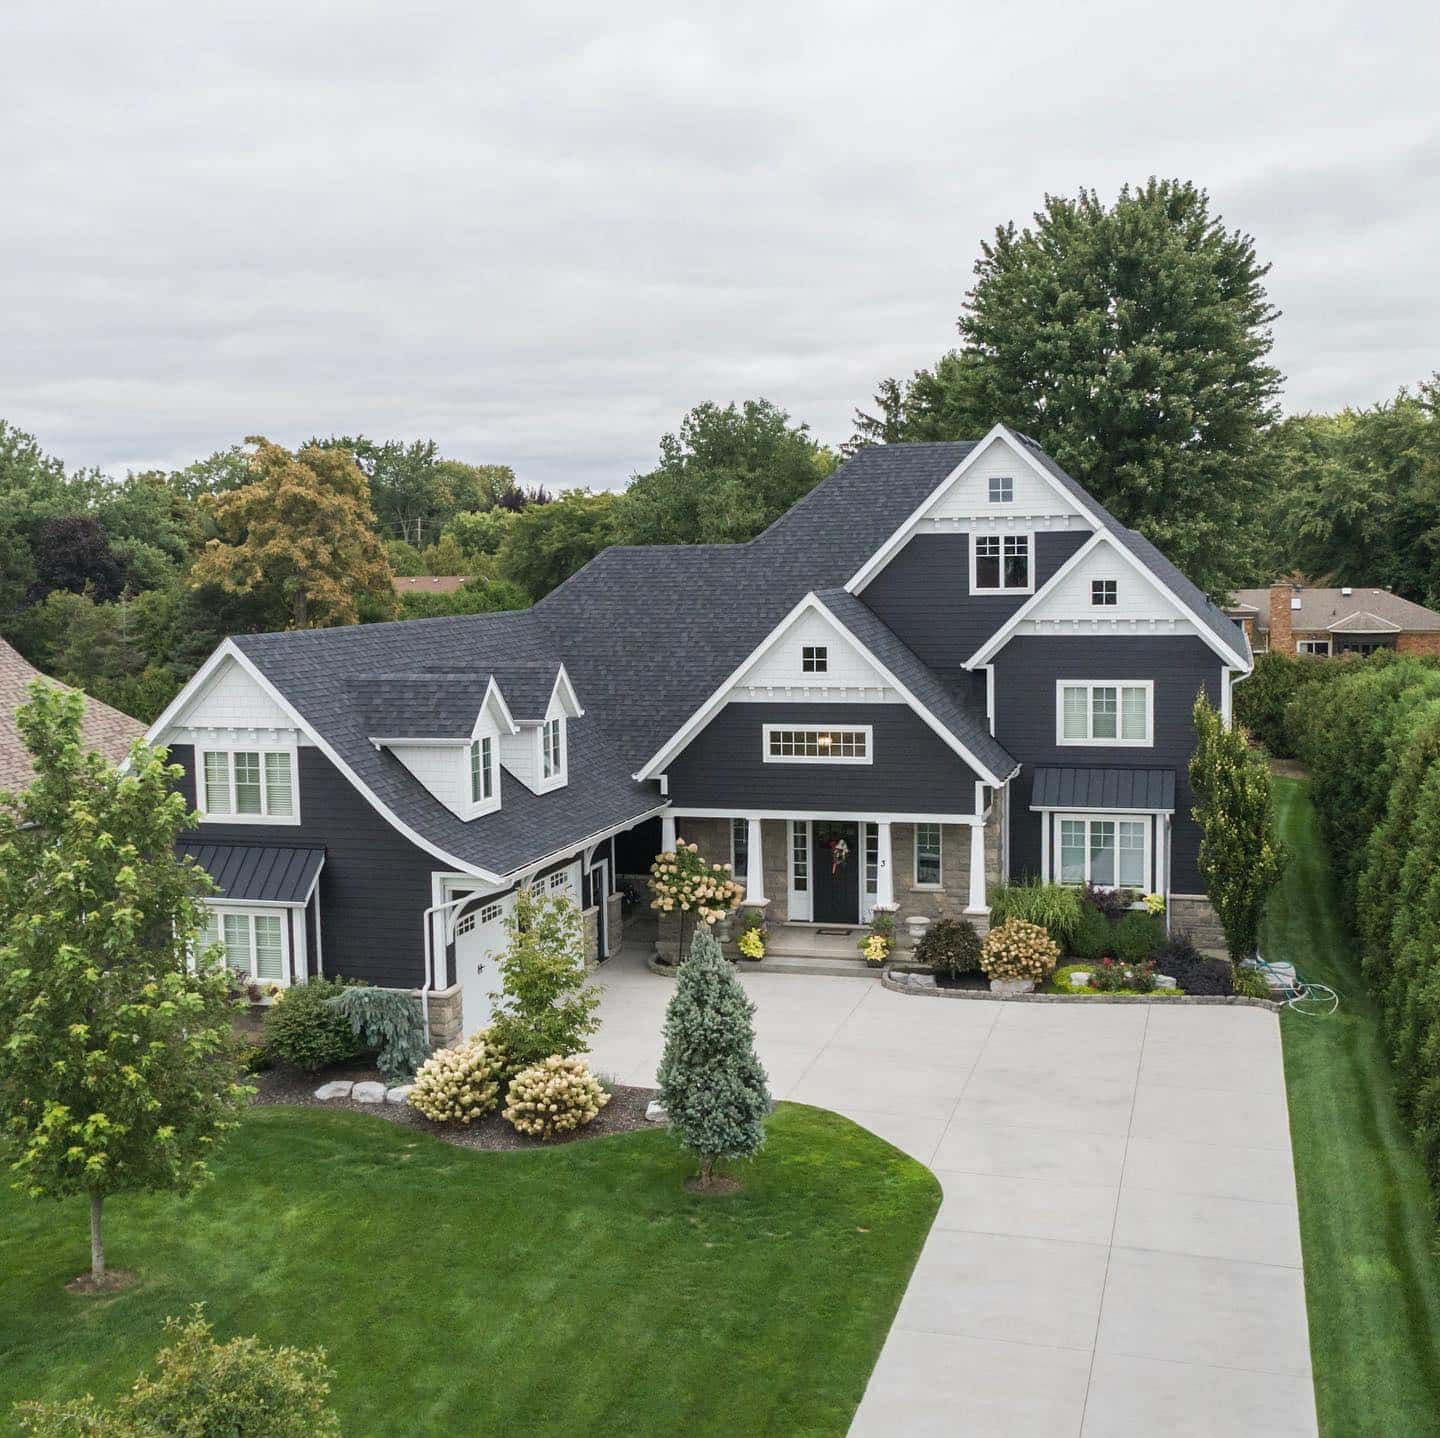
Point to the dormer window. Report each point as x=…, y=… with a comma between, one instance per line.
x=1002, y=489
x=482, y=770
x=814, y=659
x=552, y=756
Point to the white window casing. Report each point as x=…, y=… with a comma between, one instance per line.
x=246, y=786
x=928, y=872
x=798, y=835
x=256, y=941
x=1111, y=851
x=1105, y=713
x=1002, y=563
x=827, y=744
x=1312, y=646
x=1104, y=593
x=1002, y=489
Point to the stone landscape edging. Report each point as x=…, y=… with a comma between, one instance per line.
x=889, y=981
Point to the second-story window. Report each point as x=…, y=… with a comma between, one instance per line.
x=552, y=757
x=248, y=783
x=482, y=770
x=1104, y=713
x=1002, y=563
x=847, y=745
x=814, y=659
x=1104, y=592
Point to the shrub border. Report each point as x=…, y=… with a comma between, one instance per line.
x=889, y=981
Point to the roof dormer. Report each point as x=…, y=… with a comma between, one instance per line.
x=543, y=701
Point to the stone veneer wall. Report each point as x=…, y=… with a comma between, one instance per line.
x=590, y=931
x=445, y=1016
x=615, y=922
x=1195, y=914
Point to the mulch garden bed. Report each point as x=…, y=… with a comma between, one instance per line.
x=283, y=1085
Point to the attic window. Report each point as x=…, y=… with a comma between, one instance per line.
x=552, y=757
x=1002, y=489
x=1105, y=592
x=814, y=659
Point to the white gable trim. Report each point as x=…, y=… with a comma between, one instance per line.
x=811, y=603
x=1102, y=537
x=998, y=434
x=496, y=700
x=229, y=650
x=565, y=691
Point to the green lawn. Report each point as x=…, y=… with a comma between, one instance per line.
x=569, y=1291
x=1371, y=1278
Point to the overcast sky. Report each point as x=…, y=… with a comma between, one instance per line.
x=541, y=237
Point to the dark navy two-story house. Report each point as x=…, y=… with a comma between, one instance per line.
x=946, y=667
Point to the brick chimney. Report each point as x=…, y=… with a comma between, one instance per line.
x=1283, y=599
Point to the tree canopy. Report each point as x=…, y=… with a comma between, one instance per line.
x=1132, y=341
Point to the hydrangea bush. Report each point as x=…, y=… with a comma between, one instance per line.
x=555, y=1096
x=461, y=1084
x=683, y=883
x=1019, y=950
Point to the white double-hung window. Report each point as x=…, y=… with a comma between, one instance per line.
x=254, y=942
x=247, y=785
x=552, y=754
x=1110, y=853
x=1000, y=564
x=482, y=770
x=1105, y=712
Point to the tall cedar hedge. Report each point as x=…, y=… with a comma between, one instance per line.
x=1371, y=738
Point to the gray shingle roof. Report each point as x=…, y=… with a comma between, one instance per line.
x=422, y=704
x=1063, y=787
x=257, y=873
x=969, y=728
x=1322, y=608
x=527, y=688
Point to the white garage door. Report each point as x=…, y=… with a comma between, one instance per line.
x=479, y=941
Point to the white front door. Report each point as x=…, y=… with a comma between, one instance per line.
x=480, y=939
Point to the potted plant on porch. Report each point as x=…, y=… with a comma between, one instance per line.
x=754, y=935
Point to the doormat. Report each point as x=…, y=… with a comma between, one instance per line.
x=835, y=933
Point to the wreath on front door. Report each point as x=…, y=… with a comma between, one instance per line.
x=839, y=852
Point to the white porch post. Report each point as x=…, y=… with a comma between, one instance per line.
x=977, y=904
x=754, y=863
x=884, y=873
x=667, y=832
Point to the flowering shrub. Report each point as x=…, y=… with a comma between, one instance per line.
x=555, y=1096
x=876, y=948
x=1155, y=904
x=752, y=943
x=1019, y=950
x=1109, y=977
x=682, y=881
x=461, y=1084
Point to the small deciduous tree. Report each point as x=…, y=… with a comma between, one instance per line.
x=546, y=1006
x=691, y=888
x=1241, y=860
x=303, y=528
x=203, y=1388
x=711, y=1081
x=118, y=1070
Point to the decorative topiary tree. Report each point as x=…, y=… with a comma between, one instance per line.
x=711, y=1082
x=1240, y=857
x=202, y=1387
x=546, y=1006
x=118, y=1067
x=686, y=885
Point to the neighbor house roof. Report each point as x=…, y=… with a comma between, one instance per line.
x=1064, y=786
x=106, y=730
x=429, y=583
x=1321, y=609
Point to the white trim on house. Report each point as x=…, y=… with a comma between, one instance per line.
x=1001, y=433
x=1057, y=818
x=290, y=971
x=939, y=856
x=769, y=731
x=229, y=650
x=232, y=814
x=1002, y=538
x=494, y=696
x=720, y=696
x=1314, y=647
x=864, y=816
x=1119, y=686
x=997, y=641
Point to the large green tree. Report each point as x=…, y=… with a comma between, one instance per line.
x=1132, y=340
x=547, y=543
x=724, y=477
x=118, y=1068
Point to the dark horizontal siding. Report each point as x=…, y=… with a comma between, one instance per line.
x=1026, y=671
x=913, y=771
x=923, y=594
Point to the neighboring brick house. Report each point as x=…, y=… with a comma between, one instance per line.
x=1293, y=618
x=106, y=730
x=429, y=583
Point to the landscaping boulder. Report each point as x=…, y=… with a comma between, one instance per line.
x=400, y=1093
x=1012, y=986
x=655, y=1111
x=336, y=1088
x=368, y=1093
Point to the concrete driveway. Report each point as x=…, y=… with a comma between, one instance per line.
x=1118, y=1251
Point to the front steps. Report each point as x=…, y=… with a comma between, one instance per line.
x=830, y=949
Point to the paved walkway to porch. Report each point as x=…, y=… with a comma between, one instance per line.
x=1118, y=1251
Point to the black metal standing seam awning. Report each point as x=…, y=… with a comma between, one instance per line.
x=1136, y=790
x=257, y=873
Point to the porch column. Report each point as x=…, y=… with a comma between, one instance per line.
x=667, y=832
x=884, y=874
x=754, y=864
x=977, y=904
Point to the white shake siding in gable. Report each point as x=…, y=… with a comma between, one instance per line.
x=849, y=676
x=1034, y=501
x=231, y=702
x=1139, y=599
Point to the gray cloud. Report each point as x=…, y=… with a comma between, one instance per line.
x=541, y=238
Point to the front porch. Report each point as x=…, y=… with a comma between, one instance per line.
x=818, y=879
